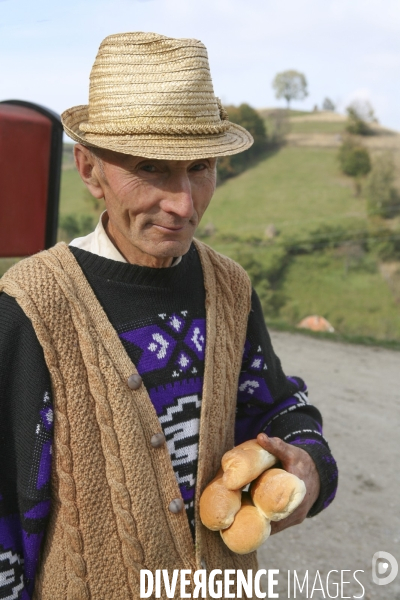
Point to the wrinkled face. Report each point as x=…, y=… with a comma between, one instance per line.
x=154, y=206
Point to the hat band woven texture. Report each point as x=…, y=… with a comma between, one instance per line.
x=127, y=127
x=152, y=125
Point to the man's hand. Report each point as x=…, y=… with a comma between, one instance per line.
x=299, y=462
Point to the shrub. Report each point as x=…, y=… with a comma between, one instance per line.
x=360, y=114
x=355, y=125
x=355, y=161
x=385, y=243
x=326, y=236
x=382, y=197
x=265, y=269
x=247, y=117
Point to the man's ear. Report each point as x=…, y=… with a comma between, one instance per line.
x=89, y=170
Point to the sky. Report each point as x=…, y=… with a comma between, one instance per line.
x=348, y=49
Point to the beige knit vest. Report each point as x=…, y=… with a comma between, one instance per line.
x=110, y=488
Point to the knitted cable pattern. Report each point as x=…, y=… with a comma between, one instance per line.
x=77, y=585
x=223, y=275
x=228, y=297
x=225, y=290
x=131, y=547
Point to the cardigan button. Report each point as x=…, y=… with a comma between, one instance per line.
x=157, y=440
x=176, y=505
x=134, y=381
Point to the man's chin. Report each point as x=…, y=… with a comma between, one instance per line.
x=169, y=248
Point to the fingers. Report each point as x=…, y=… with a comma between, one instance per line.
x=294, y=460
x=295, y=518
x=284, y=452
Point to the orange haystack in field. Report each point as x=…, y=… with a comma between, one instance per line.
x=316, y=323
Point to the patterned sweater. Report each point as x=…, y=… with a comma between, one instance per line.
x=159, y=315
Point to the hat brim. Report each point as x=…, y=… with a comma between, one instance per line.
x=173, y=147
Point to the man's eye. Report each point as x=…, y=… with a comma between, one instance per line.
x=199, y=167
x=148, y=168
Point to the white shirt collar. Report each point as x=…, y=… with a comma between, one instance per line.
x=99, y=243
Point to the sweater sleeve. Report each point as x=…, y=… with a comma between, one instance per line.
x=270, y=401
x=26, y=427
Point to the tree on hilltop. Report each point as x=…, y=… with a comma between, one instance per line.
x=328, y=105
x=291, y=85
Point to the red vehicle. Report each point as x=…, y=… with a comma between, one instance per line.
x=30, y=170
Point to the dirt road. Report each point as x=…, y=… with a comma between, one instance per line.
x=357, y=390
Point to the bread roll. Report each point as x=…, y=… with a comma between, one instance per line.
x=244, y=463
x=277, y=493
x=218, y=506
x=249, y=529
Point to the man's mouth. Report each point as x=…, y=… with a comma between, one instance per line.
x=169, y=228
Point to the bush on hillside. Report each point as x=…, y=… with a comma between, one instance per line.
x=383, y=199
x=247, y=117
x=356, y=238
x=384, y=243
x=359, y=116
x=326, y=236
x=265, y=270
x=355, y=161
x=355, y=125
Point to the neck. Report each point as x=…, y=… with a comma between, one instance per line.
x=131, y=253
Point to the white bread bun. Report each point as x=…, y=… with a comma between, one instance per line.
x=244, y=463
x=249, y=529
x=277, y=493
x=218, y=506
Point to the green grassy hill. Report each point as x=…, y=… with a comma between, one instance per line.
x=292, y=188
x=301, y=126
x=357, y=301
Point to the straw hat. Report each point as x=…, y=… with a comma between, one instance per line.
x=152, y=96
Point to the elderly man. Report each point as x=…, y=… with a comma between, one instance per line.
x=149, y=348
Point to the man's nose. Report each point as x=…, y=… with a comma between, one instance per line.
x=178, y=198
